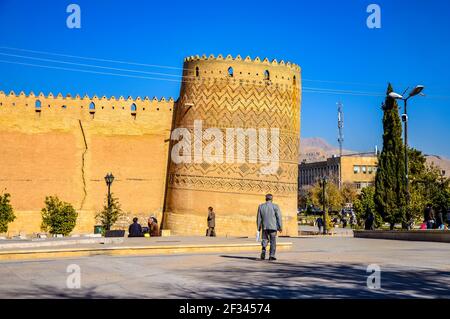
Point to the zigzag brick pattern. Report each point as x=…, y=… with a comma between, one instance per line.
x=253, y=95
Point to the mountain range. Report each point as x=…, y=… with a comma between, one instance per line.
x=313, y=149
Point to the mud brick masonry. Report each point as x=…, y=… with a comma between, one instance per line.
x=64, y=146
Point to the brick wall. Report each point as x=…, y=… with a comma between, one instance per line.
x=65, y=148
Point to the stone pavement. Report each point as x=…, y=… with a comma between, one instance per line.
x=313, y=230
x=317, y=267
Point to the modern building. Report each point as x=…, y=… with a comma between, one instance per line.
x=358, y=169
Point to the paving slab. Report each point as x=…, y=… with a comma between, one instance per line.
x=315, y=267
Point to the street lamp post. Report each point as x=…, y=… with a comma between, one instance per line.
x=324, y=202
x=109, y=179
x=417, y=90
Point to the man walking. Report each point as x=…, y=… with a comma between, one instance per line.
x=211, y=223
x=269, y=222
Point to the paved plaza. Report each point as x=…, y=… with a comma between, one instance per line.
x=318, y=267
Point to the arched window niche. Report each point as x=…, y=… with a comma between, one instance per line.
x=133, y=110
x=37, y=106
x=230, y=72
x=92, y=107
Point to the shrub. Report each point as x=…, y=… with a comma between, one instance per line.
x=6, y=212
x=58, y=217
x=110, y=214
x=365, y=204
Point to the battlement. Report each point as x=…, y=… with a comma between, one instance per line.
x=112, y=106
x=85, y=97
x=238, y=58
x=246, y=72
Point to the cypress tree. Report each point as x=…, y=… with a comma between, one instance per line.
x=390, y=190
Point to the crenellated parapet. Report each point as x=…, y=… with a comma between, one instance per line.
x=238, y=58
x=85, y=97
x=90, y=106
x=246, y=72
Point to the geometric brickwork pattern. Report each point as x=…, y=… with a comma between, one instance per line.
x=244, y=100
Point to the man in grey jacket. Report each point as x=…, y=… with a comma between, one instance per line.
x=269, y=222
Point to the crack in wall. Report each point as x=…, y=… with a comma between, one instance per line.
x=82, y=165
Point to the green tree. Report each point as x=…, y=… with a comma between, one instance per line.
x=390, y=194
x=333, y=199
x=365, y=204
x=333, y=196
x=58, y=217
x=6, y=212
x=428, y=186
x=304, y=201
x=110, y=213
x=349, y=193
x=417, y=163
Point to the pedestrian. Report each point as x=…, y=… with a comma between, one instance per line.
x=440, y=220
x=448, y=218
x=211, y=232
x=423, y=226
x=368, y=225
x=353, y=220
x=429, y=216
x=268, y=222
x=344, y=221
x=135, y=229
x=319, y=223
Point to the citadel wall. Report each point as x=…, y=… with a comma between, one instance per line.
x=66, y=146
x=226, y=92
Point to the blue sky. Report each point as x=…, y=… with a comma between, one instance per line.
x=328, y=39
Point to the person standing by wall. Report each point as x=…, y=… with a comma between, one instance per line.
x=268, y=221
x=211, y=223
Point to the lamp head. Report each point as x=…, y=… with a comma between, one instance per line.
x=417, y=90
x=395, y=96
x=109, y=178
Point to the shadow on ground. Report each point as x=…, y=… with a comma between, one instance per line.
x=50, y=292
x=321, y=280
x=248, y=277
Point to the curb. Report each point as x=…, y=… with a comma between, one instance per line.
x=132, y=251
x=62, y=242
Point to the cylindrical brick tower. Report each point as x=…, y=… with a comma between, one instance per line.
x=232, y=96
